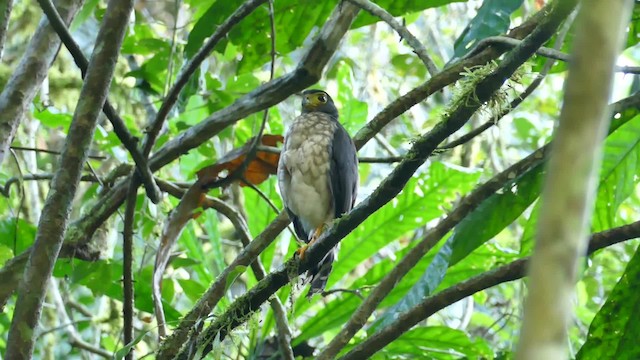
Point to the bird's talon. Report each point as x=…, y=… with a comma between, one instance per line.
x=301, y=251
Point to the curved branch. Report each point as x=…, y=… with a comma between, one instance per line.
x=402, y=30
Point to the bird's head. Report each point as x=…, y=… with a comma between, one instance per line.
x=320, y=101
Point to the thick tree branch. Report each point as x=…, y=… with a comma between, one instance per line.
x=570, y=185
x=25, y=81
x=119, y=127
x=431, y=305
x=55, y=214
x=402, y=30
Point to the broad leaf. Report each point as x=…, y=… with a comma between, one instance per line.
x=493, y=18
x=614, y=332
x=620, y=167
x=423, y=199
x=438, y=342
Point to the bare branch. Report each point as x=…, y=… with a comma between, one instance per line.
x=570, y=185
x=431, y=305
x=402, y=30
x=55, y=214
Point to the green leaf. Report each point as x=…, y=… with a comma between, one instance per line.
x=423, y=199
x=424, y=287
x=5, y=254
x=233, y=275
x=399, y=8
x=193, y=289
x=493, y=18
x=53, y=119
x=496, y=213
x=328, y=317
x=619, y=172
x=614, y=331
x=85, y=12
x=122, y=352
x=438, y=342
x=17, y=234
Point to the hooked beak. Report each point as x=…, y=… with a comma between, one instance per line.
x=305, y=100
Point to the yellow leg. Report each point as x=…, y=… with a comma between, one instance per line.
x=316, y=234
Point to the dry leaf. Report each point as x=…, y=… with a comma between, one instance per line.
x=258, y=170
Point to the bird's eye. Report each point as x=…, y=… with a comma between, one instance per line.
x=322, y=98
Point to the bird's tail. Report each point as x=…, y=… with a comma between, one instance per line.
x=319, y=274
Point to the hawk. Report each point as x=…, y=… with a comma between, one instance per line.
x=317, y=176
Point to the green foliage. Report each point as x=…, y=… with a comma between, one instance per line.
x=16, y=235
x=439, y=342
x=493, y=19
x=620, y=168
x=412, y=208
x=615, y=329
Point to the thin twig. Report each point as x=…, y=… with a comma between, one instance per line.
x=261, y=194
x=6, y=189
x=119, y=127
x=127, y=265
x=54, y=152
x=402, y=30
x=543, y=51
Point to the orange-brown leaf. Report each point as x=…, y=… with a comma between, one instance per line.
x=257, y=171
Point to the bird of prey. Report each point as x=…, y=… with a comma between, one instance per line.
x=317, y=176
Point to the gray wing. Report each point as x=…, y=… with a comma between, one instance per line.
x=343, y=172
